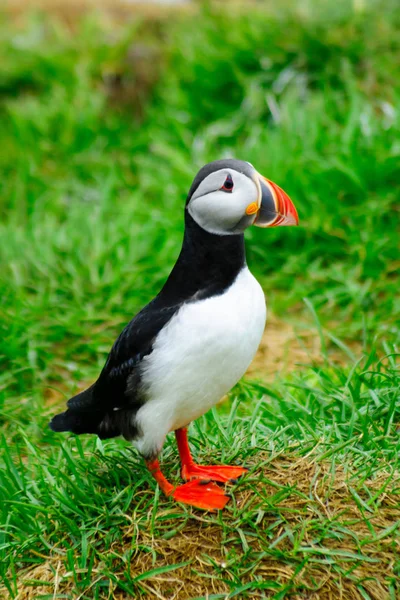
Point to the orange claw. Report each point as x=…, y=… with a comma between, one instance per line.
x=202, y=494
x=192, y=471
x=220, y=473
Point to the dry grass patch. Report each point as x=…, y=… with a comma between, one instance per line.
x=284, y=347
x=298, y=528
x=118, y=9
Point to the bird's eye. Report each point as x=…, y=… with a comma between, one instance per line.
x=228, y=185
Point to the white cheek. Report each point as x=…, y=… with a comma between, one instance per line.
x=220, y=212
x=216, y=212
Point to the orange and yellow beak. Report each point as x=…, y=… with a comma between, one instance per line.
x=275, y=207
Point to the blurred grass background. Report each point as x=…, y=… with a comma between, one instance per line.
x=105, y=119
x=104, y=126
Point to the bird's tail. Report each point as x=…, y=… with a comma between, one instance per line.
x=69, y=420
x=81, y=416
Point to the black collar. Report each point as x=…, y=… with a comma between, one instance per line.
x=207, y=265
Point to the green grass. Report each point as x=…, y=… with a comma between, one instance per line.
x=102, y=129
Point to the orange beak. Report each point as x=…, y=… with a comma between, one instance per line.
x=276, y=208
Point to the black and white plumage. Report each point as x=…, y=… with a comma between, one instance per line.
x=197, y=337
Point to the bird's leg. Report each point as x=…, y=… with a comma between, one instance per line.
x=154, y=468
x=190, y=470
x=205, y=495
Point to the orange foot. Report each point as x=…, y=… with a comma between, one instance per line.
x=202, y=494
x=215, y=473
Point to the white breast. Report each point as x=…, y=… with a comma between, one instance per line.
x=198, y=357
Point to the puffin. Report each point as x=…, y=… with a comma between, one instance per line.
x=192, y=343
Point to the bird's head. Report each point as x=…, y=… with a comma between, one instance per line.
x=227, y=196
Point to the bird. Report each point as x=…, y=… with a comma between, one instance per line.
x=192, y=343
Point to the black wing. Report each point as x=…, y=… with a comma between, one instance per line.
x=100, y=408
x=135, y=342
